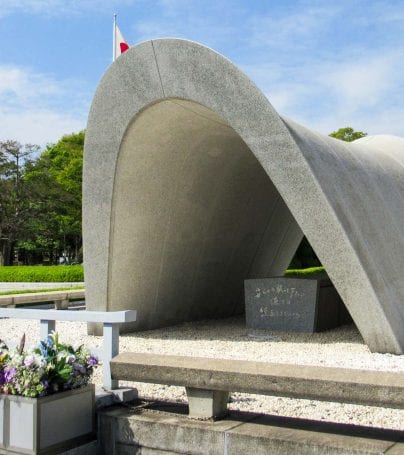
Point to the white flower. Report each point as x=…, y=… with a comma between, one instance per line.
x=29, y=361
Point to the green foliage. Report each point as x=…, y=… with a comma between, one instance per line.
x=310, y=272
x=14, y=194
x=32, y=273
x=347, y=134
x=54, y=183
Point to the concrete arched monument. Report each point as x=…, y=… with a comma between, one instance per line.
x=193, y=182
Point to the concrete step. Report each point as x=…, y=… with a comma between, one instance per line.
x=157, y=428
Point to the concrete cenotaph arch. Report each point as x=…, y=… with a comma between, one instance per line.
x=193, y=182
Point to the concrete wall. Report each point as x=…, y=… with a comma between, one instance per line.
x=192, y=182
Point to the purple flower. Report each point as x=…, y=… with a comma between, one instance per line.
x=29, y=361
x=2, y=378
x=92, y=361
x=45, y=383
x=79, y=368
x=9, y=373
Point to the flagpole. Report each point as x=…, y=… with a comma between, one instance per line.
x=114, y=40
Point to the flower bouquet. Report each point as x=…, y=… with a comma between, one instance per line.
x=50, y=367
x=48, y=389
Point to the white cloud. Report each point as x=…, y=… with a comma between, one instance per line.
x=298, y=56
x=363, y=83
x=295, y=28
x=382, y=11
x=38, y=126
x=24, y=84
x=285, y=97
x=181, y=18
x=58, y=7
x=366, y=92
x=389, y=120
x=36, y=108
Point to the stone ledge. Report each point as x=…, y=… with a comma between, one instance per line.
x=164, y=427
x=374, y=388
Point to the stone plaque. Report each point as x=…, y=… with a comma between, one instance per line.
x=293, y=304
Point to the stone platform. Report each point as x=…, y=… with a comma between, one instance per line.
x=157, y=428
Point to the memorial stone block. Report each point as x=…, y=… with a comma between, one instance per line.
x=293, y=304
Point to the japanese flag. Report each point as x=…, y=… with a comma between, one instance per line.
x=121, y=45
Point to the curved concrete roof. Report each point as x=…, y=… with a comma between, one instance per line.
x=193, y=182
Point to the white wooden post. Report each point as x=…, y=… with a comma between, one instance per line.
x=46, y=327
x=110, y=350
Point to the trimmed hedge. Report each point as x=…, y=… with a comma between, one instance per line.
x=42, y=273
x=75, y=273
x=307, y=273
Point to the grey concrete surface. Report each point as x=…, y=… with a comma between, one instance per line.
x=193, y=182
x=210, y=404
x=374, y=388
x=158, y=429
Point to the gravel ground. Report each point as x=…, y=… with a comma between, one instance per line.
x=228, y=338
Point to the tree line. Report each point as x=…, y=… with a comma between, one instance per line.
x=40, y=202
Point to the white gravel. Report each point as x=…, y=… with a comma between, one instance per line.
x=228, y=338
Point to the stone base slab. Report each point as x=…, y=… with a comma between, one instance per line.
x=165, y=428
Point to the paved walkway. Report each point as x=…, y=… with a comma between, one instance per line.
x=7, y=286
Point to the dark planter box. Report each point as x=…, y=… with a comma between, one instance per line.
x=293, y=304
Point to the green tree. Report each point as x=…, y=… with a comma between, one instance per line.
x=14, y=211
x=55, y=181
x=347, y=134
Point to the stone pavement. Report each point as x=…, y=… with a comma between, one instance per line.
x=8, y=286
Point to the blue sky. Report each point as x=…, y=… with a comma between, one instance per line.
x=325, y=64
